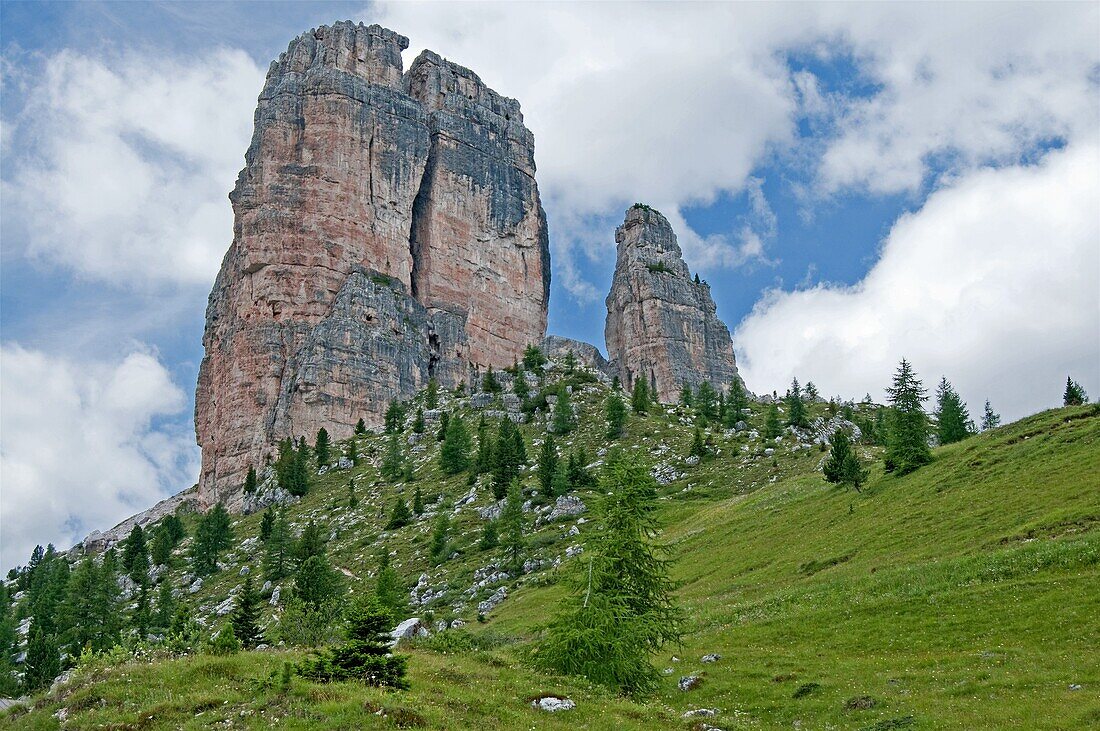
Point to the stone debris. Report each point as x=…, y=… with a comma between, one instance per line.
x=553, y=704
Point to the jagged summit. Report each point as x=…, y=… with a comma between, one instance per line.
x=662, y=325
x=387, y=230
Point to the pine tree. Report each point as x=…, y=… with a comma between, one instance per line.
x=279, y=549
x=321, y=451
x=387, y=587
x=299, y=481
x=852, y=471
x=615, y=413
x=547, y=464
x=431, y=394
x=621, y=609
x=698, y=447
x=437, y=548
x=907, y=428
x=772, y=427
x=533, y=359
x=952, y=419
x=43, y=661
x=418, y=502
x=91, y=607
x=686, y=396
x=990, y=419
x=393, y=464
x=490, y=384
x=365, y=656
x=454, y=456
x=395, y=415
x=570, y=362
x=705, y=402
x=418, y=423
x=135, y=555
x=616, y=384
x=317, y=584
x=246, y=615
x=560, y=484
x=563, y=419
x=811, y=392
x=212, y=536
x=796, y=415
x=360, y=427
x=490, y=538
x=1074, y=395
x=250, y=481
x=512, y=529
x=266, y=522
x=351, y=452
x=639, y=397
x=160, y=551
x=842, y=465
x=579, y=476
x=165, y=607
x=519, y=384
x=484, y=461
x=736, y=404
x=508, y=456
x=400, y=517
x=444, y=422
x=311, y=542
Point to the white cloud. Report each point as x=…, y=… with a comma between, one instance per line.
x=120, y=167
x=994, y=283
x=84, y=445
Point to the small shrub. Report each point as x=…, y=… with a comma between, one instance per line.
x=806, y=689
x=859, y=703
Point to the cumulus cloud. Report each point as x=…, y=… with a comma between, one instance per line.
x=84, y=445
x=120, y=167
x=993, y=284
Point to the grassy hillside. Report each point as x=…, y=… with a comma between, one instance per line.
x=962, y=596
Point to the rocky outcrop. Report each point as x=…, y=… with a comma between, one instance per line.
x=387, y=230
x=661, y=324
x=556, y=347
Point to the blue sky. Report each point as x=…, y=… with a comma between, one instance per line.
x=857, y=183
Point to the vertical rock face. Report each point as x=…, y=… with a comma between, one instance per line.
x=661, y=325
x=387, y=230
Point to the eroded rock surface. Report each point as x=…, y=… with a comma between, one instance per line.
x=387, y=230
x=661, y=324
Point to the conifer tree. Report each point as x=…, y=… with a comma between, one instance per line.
x=317, y=584
x=639, y=397
x=454, y=456
x=519, y=384
x=418, y=502
x=615, y=414
x=322, y=452
x=395, y=415
x=811, y=392
x=299, y=483
x=393, y=464
x=353, y=499
x=616, y=384
x=250, y=481
x=278, y=561
x=213, y=535
x=431, y=394
x=560, y=484
x=91, y=607
x=444, y=422
x=142, y=616
x=360, y=427
x=1074, y=395
x=418, y=422
x=796, y=409
x=621, y=609
x=311, y=542
x=990, y=419
x=266, y=522
x=907, y=429
x=437, y=548
x=736, y=404
x=9, y=687
x=490, y=384
x=160, y=550
x=509, y=454
x=533, y=359
x=388, y=589
x=400, y=517
x=570, y=362
x=721, y=413
x=686, y=396
x=484, y=461
x=512, y=529
x=563, y=418
x=365, y=656
x=706, y=402
x=135, y=555
x=165, y=607
x=698, y=446
x=653, y=393
x=579, y=476
x=351, y=452
x=842, y=465
x=246, y=615
x=772, y=427
x=952, y=419
x=43, y=661
x=547, y=464
x=490, y=538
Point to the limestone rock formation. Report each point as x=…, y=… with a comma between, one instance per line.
x=556, y=347
x=662, y=325
x=387, y=230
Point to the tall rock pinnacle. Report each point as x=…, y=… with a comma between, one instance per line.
x=661, y=325
x=387, y=230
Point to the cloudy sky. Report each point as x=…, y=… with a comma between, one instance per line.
x=857, y=182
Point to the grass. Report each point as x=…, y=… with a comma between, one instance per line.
x=962, y=596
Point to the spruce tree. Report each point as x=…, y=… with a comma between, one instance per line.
x=246, y=615
x=952, y=419
x=990, y=419
x=165, y=608
x=299, y=475
x=796, y=409
x=639, y=397
x=698, y=446
x=490, y=384
x=91, y=608
x=547, y=464
x=706, y=402
x=418, y=423
x=512, y=526
x=736, y=404
x=484, y=461
x=135, y=555
x=490, y=538
x=907, y=428
x=250, y=481
x=266, y=522
x=811, y=392
x=418, y=502
x=519, y=384
x=533, y=359
x=388, y=589
x=852, y=471
x=311, y=542
x=142, y=616
x=395, y=415
x=616, y=384
x=1074, y=395
x=686, y=396
x=842, y=465
x=563, y=419
x=437, y=548
x=393, y=463
x=9, y=687
x=317, y=584
x=365, y=656
x=615, y=414
x=43, y=661
x=322, y=452
x=772, y=427
x=444, y=422
x=360, y=427
x=160, y=550
x=621, y=609
x=400, y=516
x=454, y=455
x=508, y=457
x=212, y=536
x=279, y=549
x=579, y=475
x=560, y=484
x=351, y=452
x=570, y=362
x=431, y=394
